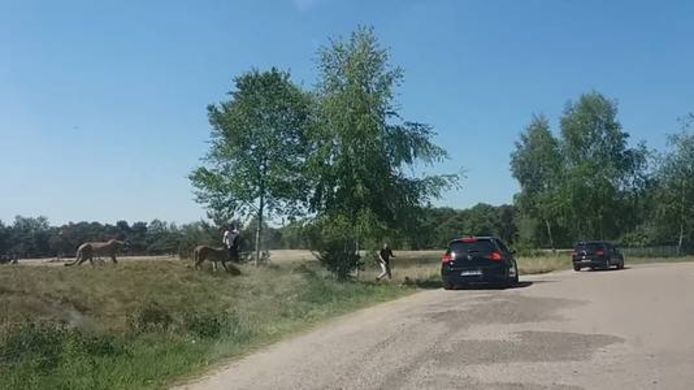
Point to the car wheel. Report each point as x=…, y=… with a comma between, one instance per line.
x=621, y=264
x=577, y=268
x=515, y=279
x=607, y=264
x=511, y=278
x=448, y=286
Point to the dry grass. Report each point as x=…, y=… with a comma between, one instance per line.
x=257, y=308
x=103, y=303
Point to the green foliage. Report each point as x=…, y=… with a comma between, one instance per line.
x=675, y=191
x=363, y=150
x=537, y=165
x=41, y=348
x=211, y=318
x=255, y=165
x=151, y=317
x=435, y=227
x=601, y=170
x=586, y=184
x=336, y=245
x=33, y=237
x=210, y=324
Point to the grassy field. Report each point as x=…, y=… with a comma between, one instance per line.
x=145, y=323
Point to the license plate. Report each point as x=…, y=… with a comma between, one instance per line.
x=471, y=273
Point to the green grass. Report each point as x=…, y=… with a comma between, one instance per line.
x=143, y=325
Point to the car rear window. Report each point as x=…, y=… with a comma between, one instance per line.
x=590, y=247
x=479, y=246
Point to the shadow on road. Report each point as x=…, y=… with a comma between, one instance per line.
x=429, y=284
x=608, y=269
x=522, y=284
x=434, y=284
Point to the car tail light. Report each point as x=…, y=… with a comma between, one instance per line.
x=445, y=259
x=573, y=254
x=469, y=239
x=494, y=256
x=600, y=253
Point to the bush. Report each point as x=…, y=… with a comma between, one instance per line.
x=339, y=260
x=211, y=324
x=336, y=246
x=46, y=345
x=150, y=318
x=33, y=341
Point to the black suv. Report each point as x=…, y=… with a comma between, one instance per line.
x=478, y=260
x=596, y=254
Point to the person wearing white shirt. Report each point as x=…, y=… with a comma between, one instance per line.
x=231, y=242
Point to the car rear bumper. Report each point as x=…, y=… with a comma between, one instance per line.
x=489, y=276
x=590, y=262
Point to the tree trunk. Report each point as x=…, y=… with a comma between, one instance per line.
x=679, y=243
x=681, y=239
x=259, y=229
x=549, y=235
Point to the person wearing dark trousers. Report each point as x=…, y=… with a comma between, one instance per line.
x=231, y=241
x=384, y=256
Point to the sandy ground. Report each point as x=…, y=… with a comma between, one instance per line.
x=277, y=256
x=103, y=260
x=628, y=329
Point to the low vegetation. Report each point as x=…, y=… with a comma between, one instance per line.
x=142, y=324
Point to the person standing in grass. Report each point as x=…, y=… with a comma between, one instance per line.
x=384, y=256
x=231, y=241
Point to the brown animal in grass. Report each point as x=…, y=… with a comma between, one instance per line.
x=204, y=252
x=88, y=250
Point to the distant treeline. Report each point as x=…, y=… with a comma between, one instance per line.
x=34, y=237
x=31, y=237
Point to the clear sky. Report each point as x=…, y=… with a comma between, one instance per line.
x=102, y=103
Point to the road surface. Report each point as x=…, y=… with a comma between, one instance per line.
x=629, y=329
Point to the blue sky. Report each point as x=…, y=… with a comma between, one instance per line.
x=102, y=104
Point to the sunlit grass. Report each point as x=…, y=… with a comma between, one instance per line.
x=145, y=324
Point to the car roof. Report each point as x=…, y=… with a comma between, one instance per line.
x=592, y=242
x=477, y=238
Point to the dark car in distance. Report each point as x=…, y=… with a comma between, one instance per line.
x=470, y=261
x=596, y=255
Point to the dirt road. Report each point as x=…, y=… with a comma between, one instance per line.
x=630, y=329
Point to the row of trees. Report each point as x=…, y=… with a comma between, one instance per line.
x=586, y=182
x=30, y=237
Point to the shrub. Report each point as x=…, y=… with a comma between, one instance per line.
x=151, y=317
x=211, y=324
x=46, y=345
x=39, y=342
x=333, y=239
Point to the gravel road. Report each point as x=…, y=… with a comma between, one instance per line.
x=629, y=329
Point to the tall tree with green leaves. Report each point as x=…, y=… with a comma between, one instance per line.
x=364, y=150
x=675, y=192
x=255, y=165
x=537, y=165
x=601, y=170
